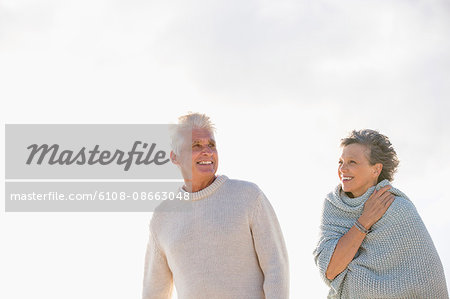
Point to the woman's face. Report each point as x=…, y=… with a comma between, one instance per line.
x=355, y=172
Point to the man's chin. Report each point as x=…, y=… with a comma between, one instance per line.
x=204, y=176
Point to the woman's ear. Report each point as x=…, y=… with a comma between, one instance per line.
x=378, y=168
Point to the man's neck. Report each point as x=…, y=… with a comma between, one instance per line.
x=195, y=187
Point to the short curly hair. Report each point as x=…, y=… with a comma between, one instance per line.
x=381, y=151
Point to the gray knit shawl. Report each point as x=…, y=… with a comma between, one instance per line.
x=396, y=260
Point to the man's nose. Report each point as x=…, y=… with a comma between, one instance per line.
x=206, y=150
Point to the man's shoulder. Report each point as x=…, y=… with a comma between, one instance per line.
x=242, y=186
x=169, y=208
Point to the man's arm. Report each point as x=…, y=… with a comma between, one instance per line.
x=158, y=281
x=271, y=249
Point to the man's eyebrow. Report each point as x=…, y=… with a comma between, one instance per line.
x=204, y=139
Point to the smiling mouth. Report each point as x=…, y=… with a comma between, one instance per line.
x=205, y=162
x=346, y=178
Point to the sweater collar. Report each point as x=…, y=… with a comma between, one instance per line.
x=341, y=200
x=208, y=191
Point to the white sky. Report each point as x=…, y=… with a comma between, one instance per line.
x=282, y=80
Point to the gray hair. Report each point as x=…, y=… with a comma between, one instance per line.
x=381, y=151
x=186, y=124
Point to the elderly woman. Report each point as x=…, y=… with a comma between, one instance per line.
x=226, y=243
x=373, y=243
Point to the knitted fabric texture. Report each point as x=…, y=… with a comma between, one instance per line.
x=226, y=244
x=397, y=259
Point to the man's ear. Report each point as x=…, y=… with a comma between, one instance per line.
x=174, y=158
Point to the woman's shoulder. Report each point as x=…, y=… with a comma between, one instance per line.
x=402, y=207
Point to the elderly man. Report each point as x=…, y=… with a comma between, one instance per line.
x=228, y=244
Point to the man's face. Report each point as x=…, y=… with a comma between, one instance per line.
x=198, y=159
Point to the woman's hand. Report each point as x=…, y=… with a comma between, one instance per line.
x=376, y=206
x=348, y=244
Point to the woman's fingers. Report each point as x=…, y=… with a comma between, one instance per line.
x=385, y=196
x=380, y=198
x=389, y=201
x=385, y=202
x=388, y=197
x=377, y=205
x=374, y=194
x=384, y=189
x=378, y=193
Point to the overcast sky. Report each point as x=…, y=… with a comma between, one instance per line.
x=282, y=80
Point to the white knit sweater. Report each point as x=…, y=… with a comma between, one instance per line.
x=396, y=260
x=225, y=243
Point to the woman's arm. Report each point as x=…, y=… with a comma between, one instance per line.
x=348, y=244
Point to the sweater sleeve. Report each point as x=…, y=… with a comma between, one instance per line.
x=330, y=234
x=158, y=282
x=270, y=249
